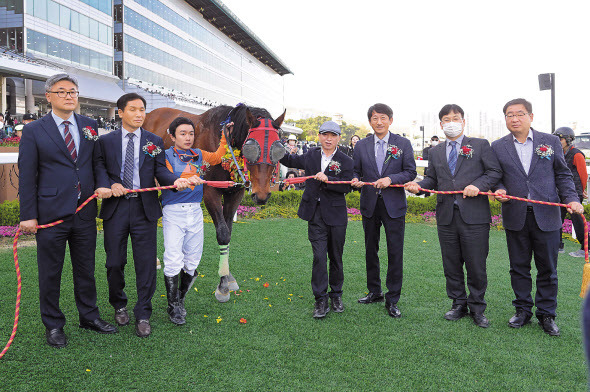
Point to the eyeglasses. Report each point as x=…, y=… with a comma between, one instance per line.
x=63, y=94
x=519, y=115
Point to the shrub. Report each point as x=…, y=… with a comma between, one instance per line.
x=9, y=213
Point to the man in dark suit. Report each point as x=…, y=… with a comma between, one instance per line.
x=383, y=158
x=534, y=167
x=463, y=221
x=130, y=158
x=324, y=207
x=56, y=176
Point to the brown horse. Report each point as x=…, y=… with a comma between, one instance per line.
x=207, y=137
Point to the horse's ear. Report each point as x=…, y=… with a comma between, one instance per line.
x=250, y=118
x=279, y=121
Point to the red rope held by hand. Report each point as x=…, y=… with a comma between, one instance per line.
x=215, y=184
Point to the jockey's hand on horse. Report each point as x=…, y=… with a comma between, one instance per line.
x=118, y=190
x=321, y=177
x=29, y=226
x=103, y=193
x=383, y=183
x=196, y=180
x=356, y=183
x=182, y=183
x=412, y=187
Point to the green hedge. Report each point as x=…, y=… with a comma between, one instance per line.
x=9, y=213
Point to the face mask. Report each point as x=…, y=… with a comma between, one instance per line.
x=433, y=143
x=453, y=129
x=1, y=124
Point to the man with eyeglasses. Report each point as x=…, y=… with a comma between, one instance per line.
x=534, y=167
x=56, y=176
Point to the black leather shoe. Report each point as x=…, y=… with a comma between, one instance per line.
x=371, y=297
x=480, y=320
x=393, y=310
x=549, y=326
x=321, y=308
x=519, y=319
x=457, y=312
x=56, y=337
x=143, y=328
x=122, y=317
x=98, y=325
x=337, y=305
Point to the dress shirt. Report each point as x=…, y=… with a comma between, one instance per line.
x=136, y=152
x=525, y=151
x=386, y=140
x=73, y=128
x=326, y=159
x=449, y=147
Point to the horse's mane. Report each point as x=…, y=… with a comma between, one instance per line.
x=215, y=116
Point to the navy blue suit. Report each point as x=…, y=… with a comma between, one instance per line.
x=136, y=217
x=48, y=189
x=324, y=207
x=534, y=229
x=386, y=207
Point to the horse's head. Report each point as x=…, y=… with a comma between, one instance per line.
x=262, y=151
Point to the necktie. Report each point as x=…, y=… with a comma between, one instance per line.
x=380, y=156
x=71, y=146
x=453, y=157
x=129, y=163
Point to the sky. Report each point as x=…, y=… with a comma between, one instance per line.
x=416, y=56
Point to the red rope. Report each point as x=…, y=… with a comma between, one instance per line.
x=215, y=184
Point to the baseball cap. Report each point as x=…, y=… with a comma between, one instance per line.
x=330, y=126
x=29, y=116
x=292, y=137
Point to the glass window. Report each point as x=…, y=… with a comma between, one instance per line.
x=31, y=7
x=102, y=33
x=75, y=21
x=109, y=35
x=75, y=54
x=65, y=50
x=52, y=46
x=84, y=56
x=94, y=60
x=84, y=26
x=41, y=9
x=64, y=17
x=105, y=6
x=93, y=27
x=53, y=12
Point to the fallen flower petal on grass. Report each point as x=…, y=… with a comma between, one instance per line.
x=266, y=284
x=243, y=321
x=218, y=319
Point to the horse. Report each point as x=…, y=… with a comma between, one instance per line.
x=208, y=127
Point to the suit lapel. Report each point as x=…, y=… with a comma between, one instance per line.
x=50, y=128
x=538, y=139
x=118, y=147
x=142, y=142
x=509, y=144
x=83, y=141
x=461, y=158
x=390, y=140
x=442, y=152
x=372, y=158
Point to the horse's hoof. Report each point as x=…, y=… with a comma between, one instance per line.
x=232, y=284
x=221, y=297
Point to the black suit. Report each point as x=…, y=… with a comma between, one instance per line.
x=464, y=223
x=136, y=217
x=324, y=207
x=48, y=191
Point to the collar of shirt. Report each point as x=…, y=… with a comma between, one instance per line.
x=459, y=141
x=385, y=138
x=529, y=136
x=58, y=120
x=325, y=161
x=137, y=133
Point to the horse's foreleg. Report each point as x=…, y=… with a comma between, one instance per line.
x=230, y=206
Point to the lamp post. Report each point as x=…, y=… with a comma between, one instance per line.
x=546, y=82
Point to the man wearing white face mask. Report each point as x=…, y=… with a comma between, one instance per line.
x=426, y=151
x=463, y=221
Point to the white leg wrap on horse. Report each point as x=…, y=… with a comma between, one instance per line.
x=223, y=260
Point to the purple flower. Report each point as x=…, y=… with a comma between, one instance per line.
x=353, y=211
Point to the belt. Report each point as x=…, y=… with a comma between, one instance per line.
x=529, y=209
x=130, y=195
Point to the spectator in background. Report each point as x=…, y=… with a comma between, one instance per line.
x=576, y=162
x=285, y=187
x=29, y=118
x=350, y=149
x=18, y=130
x=426, y=151
x=3, y=134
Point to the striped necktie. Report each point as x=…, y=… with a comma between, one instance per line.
x=129, y=162
x=71, y=146
x=453, y=157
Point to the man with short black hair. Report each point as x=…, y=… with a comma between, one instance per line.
x=57, y=176
x=383, y=158
x=131, y=158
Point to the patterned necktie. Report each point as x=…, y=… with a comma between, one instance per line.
x=453, y=157
x=380, y=157
x=71, y=146
x=129, y=163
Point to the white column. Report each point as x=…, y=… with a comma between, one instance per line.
x=29, y=99
x=3, y=92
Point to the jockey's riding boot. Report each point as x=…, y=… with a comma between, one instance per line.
x=186, y=282
x=173, y=305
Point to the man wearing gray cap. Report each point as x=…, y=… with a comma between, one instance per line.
x=323, y=206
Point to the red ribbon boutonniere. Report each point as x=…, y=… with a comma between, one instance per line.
x=466, y=151
x=334, y=166
x=544, y=151
x=393, y=151
x=151, y=149
x=90, y=133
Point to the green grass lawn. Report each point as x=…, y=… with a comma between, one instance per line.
x=281, y=347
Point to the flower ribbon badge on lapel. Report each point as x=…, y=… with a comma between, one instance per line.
x=334, y=166
x=544, y=151
x=466, y=151
x=393, y=151
x=151, y=149
x=90, y=133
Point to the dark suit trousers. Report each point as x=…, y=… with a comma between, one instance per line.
x=129, y=220
x=545, y=245
x=51, y=248
x=462, y=243
x=578, y=224
x=327, y=242
x=394, y=234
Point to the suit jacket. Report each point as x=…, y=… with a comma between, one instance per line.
x=48, y=179
x=333, y=202
x=108, y=160
x=482, y=170
x=547, y=180
x=400, y=171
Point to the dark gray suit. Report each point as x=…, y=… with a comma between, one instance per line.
x=464, y=223
x=534, y=229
